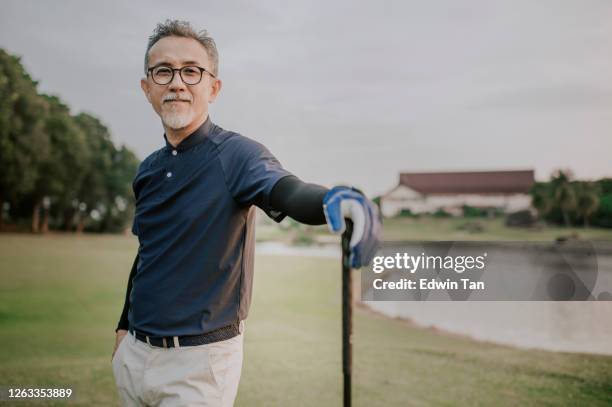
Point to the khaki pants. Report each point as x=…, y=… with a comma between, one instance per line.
x=203, y=375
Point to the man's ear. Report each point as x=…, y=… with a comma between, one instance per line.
x=145, y=88
x=215, y=89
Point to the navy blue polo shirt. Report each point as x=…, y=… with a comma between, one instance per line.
x=195, y=223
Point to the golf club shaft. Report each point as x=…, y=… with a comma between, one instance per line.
x=347, y=313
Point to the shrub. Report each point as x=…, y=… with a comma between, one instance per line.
x=406, y=213
x=603, y=216
x=523, y=218
x=441, y=213
x=472, y=212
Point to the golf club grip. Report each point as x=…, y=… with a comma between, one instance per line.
x=347, y=313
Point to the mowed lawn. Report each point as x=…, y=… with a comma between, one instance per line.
x=452, y=228
x=457, y=228
x=61, y=297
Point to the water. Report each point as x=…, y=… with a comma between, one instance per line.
x=579, y=326
x=570, y=326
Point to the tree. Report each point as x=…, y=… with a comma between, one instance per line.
x=106, y=190
x=564, y=193
x=62, y=171
x=56, y=164
x=119, y=197
x=541, y=198
x=587, y=200
x=23, y=141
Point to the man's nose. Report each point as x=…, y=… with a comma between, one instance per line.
x=177, y=82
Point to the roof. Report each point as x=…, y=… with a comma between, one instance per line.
x=474, y=182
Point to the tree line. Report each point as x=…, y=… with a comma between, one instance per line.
x=59, y=171
x=565, y=201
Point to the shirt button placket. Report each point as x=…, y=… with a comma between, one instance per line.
x=169, y=173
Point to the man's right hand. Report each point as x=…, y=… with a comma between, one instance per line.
x=118, y=338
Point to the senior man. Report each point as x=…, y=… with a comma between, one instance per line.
x=179, y=339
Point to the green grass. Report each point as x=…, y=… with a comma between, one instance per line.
x=432, y=228
x=62, y=295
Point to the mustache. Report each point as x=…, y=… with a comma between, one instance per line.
x=175, y=96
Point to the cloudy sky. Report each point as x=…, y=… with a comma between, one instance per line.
x=353, y=92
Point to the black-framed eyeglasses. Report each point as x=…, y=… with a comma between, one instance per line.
x=190, y=74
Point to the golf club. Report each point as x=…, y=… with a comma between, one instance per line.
x=347, y=313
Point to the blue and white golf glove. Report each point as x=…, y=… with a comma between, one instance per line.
x=346, y=202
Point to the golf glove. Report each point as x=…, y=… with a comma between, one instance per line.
x=348, y=202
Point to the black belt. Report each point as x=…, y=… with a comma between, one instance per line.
x=217, y=335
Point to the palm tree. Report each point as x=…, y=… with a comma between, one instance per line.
x=587, y=200
x=541, y=199
x=564, y=193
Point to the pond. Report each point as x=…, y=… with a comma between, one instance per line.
x=571, y=326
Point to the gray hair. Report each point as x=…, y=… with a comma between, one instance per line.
x=184, y=29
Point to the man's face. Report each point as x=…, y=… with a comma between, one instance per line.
x=180, y=105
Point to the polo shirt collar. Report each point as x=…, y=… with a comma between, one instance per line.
x=194, y=138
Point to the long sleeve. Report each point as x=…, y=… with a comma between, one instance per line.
x=299, y=200
x=123, y=320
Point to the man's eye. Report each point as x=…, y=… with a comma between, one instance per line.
x=190, y=71
x=163, y=72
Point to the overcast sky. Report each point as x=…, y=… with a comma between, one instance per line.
x=353, y=92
